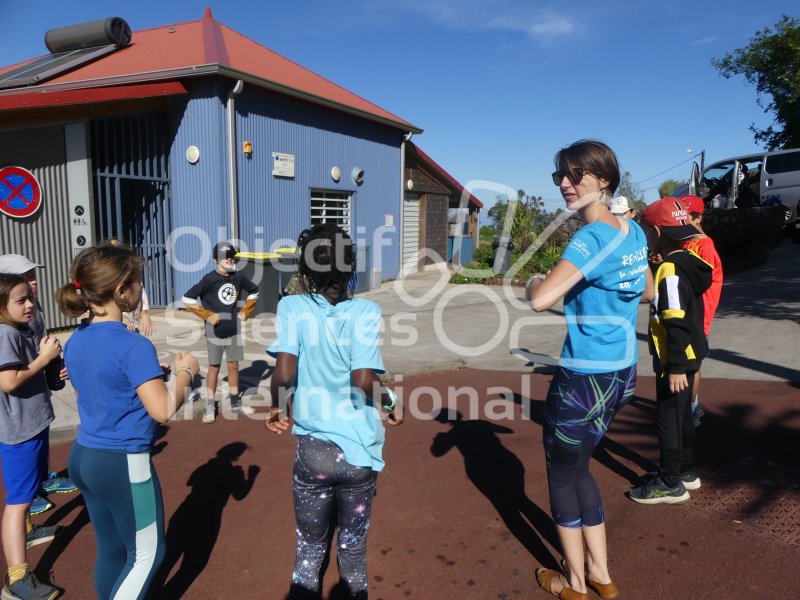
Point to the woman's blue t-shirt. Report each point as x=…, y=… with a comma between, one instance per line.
x=601, y=308
x=106, y=363
x=331, y=341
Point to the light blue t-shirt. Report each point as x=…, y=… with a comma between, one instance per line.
x=106, y=363
x=330, y=341
x=601, y=308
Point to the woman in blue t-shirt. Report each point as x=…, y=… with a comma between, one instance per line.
x=121, y=399
x=327, y=358
x=602, y=276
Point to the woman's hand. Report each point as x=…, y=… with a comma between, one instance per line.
x=145, y=323
x=129, y=324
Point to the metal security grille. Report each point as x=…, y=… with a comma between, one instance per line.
x=331, y=207
x=130, y=156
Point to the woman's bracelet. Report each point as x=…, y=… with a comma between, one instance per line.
x=393, y=396
x=532, y=277
x=186, y=370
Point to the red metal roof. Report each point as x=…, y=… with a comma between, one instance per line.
x=449, y=180
x=205, y=47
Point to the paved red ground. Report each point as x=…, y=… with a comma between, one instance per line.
x=462, y=509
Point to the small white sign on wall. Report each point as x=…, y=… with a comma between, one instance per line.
x=388, y=220
x=282, y=164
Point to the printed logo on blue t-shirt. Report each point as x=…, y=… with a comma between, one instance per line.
x=227, y=294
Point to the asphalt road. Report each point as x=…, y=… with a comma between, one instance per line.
x=462, y=509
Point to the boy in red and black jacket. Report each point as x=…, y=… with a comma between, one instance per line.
x=678, y=344
x=704, y=247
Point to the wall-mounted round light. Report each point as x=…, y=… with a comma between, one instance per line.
x=358, y=175
x=336, y=173
x=410, y=184
x=193, y=154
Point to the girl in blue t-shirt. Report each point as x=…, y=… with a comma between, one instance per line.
x=121, y=399
x=25, y=417
x=328, y=356
x=602, y=276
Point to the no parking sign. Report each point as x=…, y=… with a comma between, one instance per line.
x=20, y=192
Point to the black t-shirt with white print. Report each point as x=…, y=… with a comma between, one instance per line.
x=219, y=293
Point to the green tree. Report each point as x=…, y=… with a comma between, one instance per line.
x=771, y=62
x=497, y=213
x=631, y=190
x=667, y=187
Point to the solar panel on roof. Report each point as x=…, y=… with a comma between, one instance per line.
x=51, y=65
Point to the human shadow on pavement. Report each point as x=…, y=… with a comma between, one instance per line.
x=68, y=532
x=500, y=476
x=194, y=527
x=252, y=375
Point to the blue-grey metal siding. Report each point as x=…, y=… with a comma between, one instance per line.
x=200, y=214
x=273, y=210
x=44, y=237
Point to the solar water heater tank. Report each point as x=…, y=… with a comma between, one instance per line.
x=103, y=32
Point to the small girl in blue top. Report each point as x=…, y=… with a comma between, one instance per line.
x=25, y=416
x=328, y=356
x=121, y=399
x=602, y=276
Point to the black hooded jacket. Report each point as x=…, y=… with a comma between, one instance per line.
x=676, y=313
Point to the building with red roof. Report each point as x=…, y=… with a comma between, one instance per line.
x=176, y=137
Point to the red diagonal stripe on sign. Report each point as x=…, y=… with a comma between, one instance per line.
x=15, y=192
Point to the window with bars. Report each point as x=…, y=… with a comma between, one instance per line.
x=331, y=207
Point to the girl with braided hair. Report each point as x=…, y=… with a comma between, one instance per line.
x=328, y=360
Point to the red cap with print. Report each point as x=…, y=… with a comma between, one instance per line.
x=671, y=216
x=694, y=204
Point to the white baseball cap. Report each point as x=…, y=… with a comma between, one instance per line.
x=619, y=205
x=16, y=264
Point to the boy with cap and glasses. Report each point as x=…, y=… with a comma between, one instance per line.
x=704, y=247
x=215, y=300
x=16, y=264
x=678, y=346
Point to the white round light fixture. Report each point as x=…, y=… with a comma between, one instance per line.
x=410, y=184
x=336, y=173
x=193, y=154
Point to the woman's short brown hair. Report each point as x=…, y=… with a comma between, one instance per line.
x=593, y=156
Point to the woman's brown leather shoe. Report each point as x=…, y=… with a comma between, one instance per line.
x=607, y=591
x=545, y=577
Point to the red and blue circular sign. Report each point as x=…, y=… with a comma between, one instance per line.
x=20, y=192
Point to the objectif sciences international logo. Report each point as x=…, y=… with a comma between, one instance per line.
x=20, y=192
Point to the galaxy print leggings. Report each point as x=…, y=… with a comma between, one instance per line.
x=577, y=413
x=322, y=480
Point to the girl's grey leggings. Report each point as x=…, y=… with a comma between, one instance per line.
x=322, y=480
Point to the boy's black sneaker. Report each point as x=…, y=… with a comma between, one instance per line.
x=689, y=478
x=655, y=491
x=28, y=588
x=41, y=535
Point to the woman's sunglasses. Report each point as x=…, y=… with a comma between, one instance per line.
x=574, y=175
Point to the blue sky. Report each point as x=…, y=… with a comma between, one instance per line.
x=498, y=85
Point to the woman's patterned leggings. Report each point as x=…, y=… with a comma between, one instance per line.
x=577, y=413
x=322, y=479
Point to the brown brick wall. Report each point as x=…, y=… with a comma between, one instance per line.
x=435, y=224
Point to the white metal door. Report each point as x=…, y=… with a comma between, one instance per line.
x=410, y=236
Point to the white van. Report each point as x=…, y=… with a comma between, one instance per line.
x=763, y=179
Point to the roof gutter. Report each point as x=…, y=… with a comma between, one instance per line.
x=215, y=69
x=233, y=180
